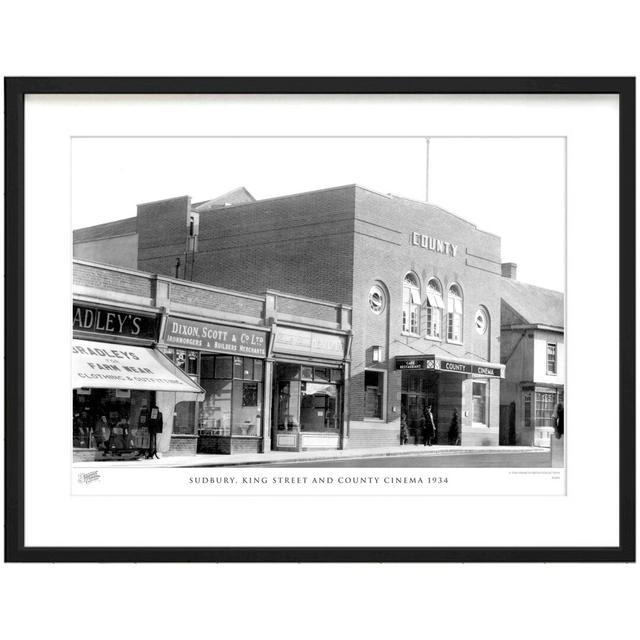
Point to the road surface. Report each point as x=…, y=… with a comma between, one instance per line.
x=520, y=460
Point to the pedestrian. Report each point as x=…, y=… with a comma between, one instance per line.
x=559, y=420
x=454, y=429
x=404, y=430
x=154, y=426
x=429, y=426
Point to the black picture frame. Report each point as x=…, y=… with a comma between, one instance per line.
x=15, y=91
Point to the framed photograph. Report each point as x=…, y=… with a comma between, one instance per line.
x=320, y=319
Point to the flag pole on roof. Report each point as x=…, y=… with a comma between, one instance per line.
x=428, y=140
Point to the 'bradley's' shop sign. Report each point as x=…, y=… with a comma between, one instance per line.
x=115, y=322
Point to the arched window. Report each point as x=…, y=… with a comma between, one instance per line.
x=435, y=307
x=454, y=314
x=411, y=304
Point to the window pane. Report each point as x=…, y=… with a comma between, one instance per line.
x=223, y=367
x=238, y=368
x=257, y=370
x=479, y=403
x=321, y=375
x=545, y=404
x=192, y=363
x=415, y=296
x=247, y=373
x=180, y=358
x=247, y=408
x=206, y=365
x=527, y=409
x=288, y=371
x=215, y=415
x=373, y=394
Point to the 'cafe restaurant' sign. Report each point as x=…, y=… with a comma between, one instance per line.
x=206, y=336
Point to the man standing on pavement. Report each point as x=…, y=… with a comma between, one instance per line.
x=430, y=427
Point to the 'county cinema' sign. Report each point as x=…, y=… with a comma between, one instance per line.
x=434, y=244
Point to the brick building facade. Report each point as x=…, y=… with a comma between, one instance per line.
x=424, y=286
x=228, y=371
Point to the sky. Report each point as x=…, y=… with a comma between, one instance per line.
x=512, y=187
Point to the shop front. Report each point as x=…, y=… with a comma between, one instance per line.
x=308, y=389
x=121, y=382
x=228, y=362
x=462, y=396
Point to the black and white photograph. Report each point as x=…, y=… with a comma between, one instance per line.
x=350, y=308
x=314, y=302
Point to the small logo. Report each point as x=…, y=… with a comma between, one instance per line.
x=89, y=477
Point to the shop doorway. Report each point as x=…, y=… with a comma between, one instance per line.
x=419, y=391
x=307, y=407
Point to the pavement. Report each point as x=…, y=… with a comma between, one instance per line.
x=283, y=457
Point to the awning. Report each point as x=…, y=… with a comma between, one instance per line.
x=105, y=365
x=435, y=299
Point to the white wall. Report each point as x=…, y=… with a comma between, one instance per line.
x=540, y=357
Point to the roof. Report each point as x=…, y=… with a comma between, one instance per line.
x=107, y=230
x=236, y=196
x=531, y=305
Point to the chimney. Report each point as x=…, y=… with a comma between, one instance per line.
x=509, y=270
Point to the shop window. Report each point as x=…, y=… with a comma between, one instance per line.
x=313, y=404
x=373, y=394
x=480, y=403
x=411, y=304
x=185, y=416
x=527, y=398
x=545, y=406
x=454, y=314
x=247, y=408
x=105, y=417
x=215, y=415
x=434, y=309
x=552, y=358
x=233, y=395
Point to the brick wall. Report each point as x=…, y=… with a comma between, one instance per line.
x=299, y=244
x=111, y=280
x=121, y=251
x=182, y=445
x=307, y=309
x=187, y=294
x=384, y=252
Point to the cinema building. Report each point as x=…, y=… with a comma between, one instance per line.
x=421, y=288
x=229, y=371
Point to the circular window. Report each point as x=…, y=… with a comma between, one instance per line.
x=481, y=321
x=376, y=299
